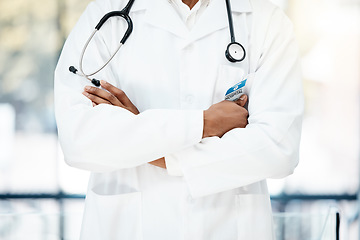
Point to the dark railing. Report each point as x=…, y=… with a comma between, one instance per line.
x=281, y=198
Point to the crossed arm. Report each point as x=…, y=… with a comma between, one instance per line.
x=218, y=119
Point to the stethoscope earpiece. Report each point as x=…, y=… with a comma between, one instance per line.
x=124, y=13
x=95, y=82
x=73, y=69
x=235, y=52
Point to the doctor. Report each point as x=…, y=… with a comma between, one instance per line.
x=161, y=102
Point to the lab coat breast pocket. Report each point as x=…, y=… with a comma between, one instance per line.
x=227, y=77
x=112, y=217
x=254, y=217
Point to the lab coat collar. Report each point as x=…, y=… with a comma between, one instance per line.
x=236, y=5
x=139, y=5
x=240, y=6
x=215, y=18
x=161, y=14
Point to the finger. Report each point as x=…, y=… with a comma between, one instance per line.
x=242, y=100
x=118, y=93
x=95, y=99
x=104, y=95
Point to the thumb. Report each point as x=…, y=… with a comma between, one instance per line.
x=242, y=100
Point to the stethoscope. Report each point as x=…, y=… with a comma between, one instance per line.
x=235, y=52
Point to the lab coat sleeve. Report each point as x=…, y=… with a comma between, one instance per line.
x=105, y=137
x=269, y=145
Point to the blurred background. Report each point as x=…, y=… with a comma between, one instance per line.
x=42, y=198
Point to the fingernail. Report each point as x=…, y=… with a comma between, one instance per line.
x=103, y=82
x=85, y=93
x=87, y=88
x=242, y=98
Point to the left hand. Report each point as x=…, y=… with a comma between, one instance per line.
x=117, y=97
x=113, y=96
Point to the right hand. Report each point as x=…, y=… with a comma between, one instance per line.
x=224, y=116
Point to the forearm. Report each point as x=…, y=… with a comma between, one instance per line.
x=218, y=119
x=105, y=137
x=240, y=157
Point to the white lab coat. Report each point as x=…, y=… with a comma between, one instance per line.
x=214, y=188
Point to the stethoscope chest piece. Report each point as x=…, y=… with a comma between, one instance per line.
x=235, y=52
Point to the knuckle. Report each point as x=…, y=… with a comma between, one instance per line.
x=111, y=97
x=120, y=93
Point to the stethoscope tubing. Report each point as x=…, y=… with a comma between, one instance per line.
x=124, y=13
x=231, y=27
x=83, y=53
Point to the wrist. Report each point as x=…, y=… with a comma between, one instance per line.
x=206, y=125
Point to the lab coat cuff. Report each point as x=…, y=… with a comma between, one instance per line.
x=195, y=125
x=173, y=166
x=194, y=168
x=187, y=162
x=195, y=129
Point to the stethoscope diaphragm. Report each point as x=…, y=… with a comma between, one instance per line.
x=235, y=52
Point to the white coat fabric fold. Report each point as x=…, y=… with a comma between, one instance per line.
x=214, y=188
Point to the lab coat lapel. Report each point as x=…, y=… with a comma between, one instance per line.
x=161, y=14
x=215, y=18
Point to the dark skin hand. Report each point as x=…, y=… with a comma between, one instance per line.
x=113, y=96
x=218, y=119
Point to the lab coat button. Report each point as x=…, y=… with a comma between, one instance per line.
x=190, y=47
x=190, y=99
